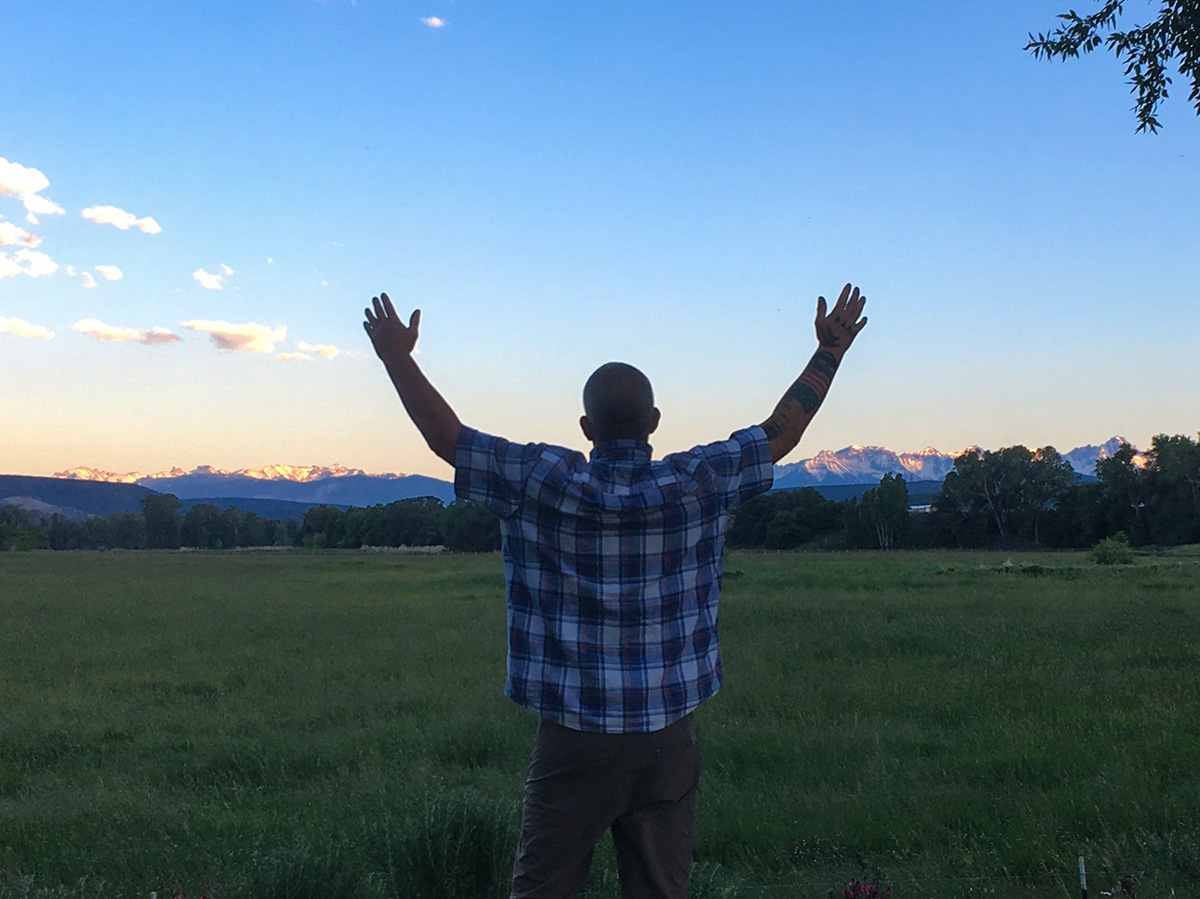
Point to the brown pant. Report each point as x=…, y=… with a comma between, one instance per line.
x=642, y=786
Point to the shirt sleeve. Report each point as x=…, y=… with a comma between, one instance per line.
x=741, y=466
x=492, y=471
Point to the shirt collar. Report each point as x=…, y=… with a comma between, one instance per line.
x=621, y=451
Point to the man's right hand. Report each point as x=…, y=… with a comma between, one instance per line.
x=394, y=343
x=389, y=335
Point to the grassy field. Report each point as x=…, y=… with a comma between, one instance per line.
x=332, y=725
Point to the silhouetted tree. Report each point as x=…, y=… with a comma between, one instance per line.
x=1011, y=489
x=322, y=527
x=1125, y=496
x=161, y=513
x=879, y=518
x=1047, y=480
x=20, y=529
x=66, y=533
x=201, y=527
x=1146, y=50
x=1174, y=468
x=469, y=527
x=120, y=530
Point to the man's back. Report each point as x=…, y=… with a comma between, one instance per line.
x=613, y=567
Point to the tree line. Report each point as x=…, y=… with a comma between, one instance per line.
x=1008, y=497
x=161, y=524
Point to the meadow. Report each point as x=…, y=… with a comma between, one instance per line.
x=332, y=724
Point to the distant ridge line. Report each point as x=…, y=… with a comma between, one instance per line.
x=852, y=465
x=286, y=491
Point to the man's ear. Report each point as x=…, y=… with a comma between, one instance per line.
x=586, y=426
x=654, y=419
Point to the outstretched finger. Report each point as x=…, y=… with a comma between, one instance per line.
x=821, y=311
x=387, y=305
x=843, y=298
x=862, y=323
x=857, y=308
x=414, y=321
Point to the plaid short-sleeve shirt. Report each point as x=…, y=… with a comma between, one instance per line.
x=613, y=566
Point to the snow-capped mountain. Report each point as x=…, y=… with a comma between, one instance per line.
x=339, y=484
x=868, y=464
x=863, y=465
x=296, y=473
x=334, y=484
x=1084, y=458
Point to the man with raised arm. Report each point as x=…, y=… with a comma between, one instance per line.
x=613, y=566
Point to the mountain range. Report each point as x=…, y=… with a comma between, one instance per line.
x=287, y=491
x=340, y=485
x=868, y=464
x=334, y=485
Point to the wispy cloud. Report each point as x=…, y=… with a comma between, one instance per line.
x=111, y=215
x=325, y=350
x=33, y=263
x=246, y=338
x=88, y=280
x=211, y=280
x=26, y=185
x=110, y=272
x=97, y=330
x=433, y=21
x=21, y=328
x=15, y=236
x=293, y=357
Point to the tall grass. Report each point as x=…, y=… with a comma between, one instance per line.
x=332, y=724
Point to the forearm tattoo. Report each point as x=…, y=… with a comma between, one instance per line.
x=808, y=391
x=812, y=385
x=827, y=337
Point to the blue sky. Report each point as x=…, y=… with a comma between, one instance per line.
x=557, y=185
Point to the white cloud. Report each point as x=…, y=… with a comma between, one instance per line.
x=226, y=269
x=247, y=338
x=88, y=280
x=270, y=260
x=33, y=263
x=208, y=280
x=97, y=330
x=37, y=263
x=26, y=184
x=293, y=357
x=324, y=283
x=19, y=328
x=433, y=21
x=111, y=215
x=15, y=236
x=325, y=350
x=110, y=272
x=71, y=270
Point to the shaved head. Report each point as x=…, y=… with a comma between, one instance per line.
x=618, y=404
